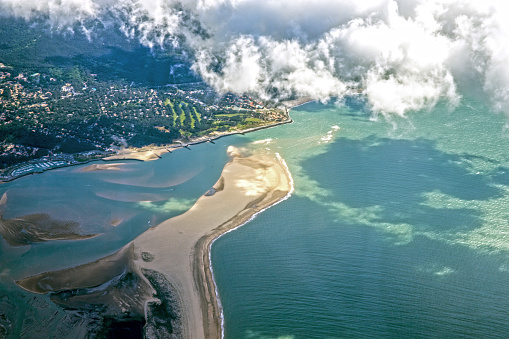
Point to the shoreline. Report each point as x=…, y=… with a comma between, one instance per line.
x=175, y=255
x=136, y=153
x=148, y=153
x=203, y=261
x=210, y=277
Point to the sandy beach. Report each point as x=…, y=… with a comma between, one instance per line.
x=171, y=260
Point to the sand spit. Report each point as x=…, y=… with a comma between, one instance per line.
x=172, y=259
x=297, y=102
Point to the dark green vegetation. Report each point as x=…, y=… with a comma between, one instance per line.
x=163, y=317
x=63, y=93
x=37, y=48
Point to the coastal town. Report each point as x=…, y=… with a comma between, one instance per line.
x=61, y=119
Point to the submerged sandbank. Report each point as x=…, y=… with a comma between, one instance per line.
x=39, y=227
x=169, y=265
x=102, y=167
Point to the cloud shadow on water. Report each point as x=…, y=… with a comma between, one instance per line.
x=358, y=108
x=501, y=176
x=396, y=177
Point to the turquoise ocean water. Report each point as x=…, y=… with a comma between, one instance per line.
x=396, y=228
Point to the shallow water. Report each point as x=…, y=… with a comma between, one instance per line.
x=140, y=195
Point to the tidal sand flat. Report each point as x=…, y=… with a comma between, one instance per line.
x=164, y=275
x=103, y=167
x=38, y=228
x=143, y=155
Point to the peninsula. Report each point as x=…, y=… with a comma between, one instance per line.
x=164, y=276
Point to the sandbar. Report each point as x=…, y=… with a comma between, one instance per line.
x=102, y=167
x=142, y=154
x=173, y=258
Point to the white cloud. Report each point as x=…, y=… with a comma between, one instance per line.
x=58, y=12
x=405, y=54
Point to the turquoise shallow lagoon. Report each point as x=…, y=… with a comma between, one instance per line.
x=396, y=228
